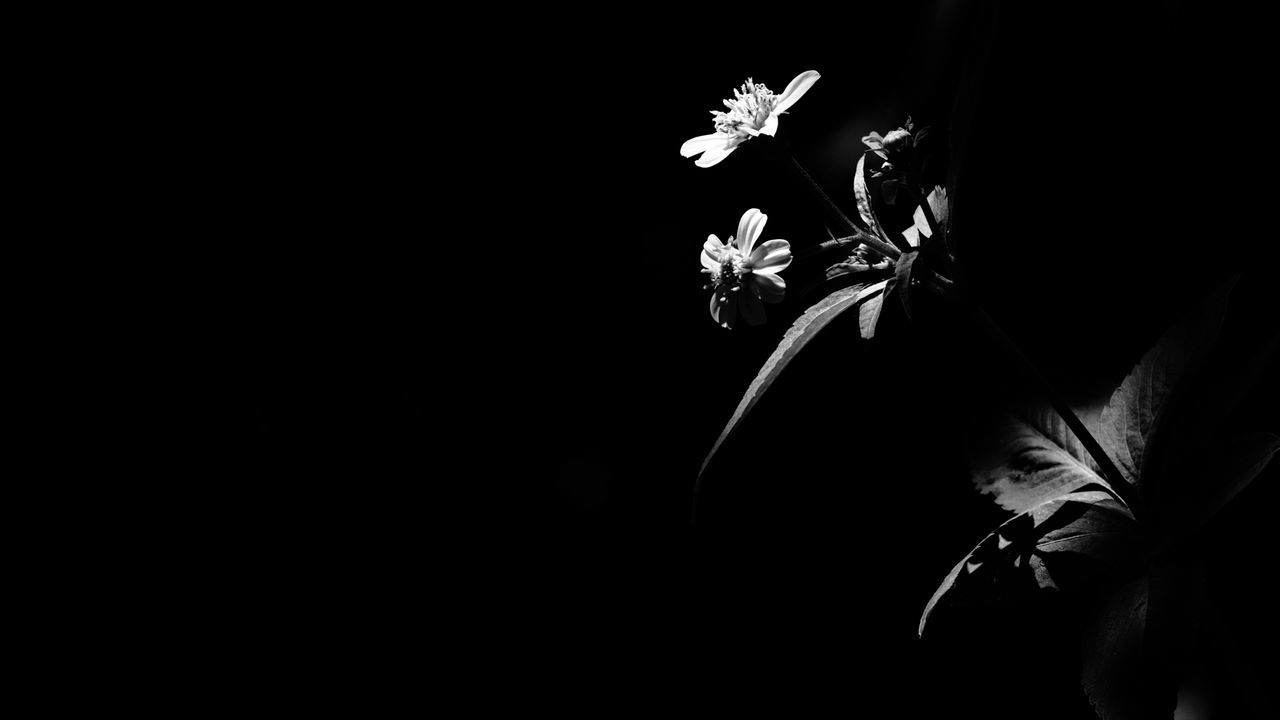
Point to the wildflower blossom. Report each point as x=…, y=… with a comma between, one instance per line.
x=753, y=111
x=744, y=275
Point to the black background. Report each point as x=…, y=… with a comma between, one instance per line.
x=473, y=375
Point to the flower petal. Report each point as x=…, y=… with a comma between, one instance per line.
x=714, y=155
x=724, y=308
x=771, y=257
x=744, y=224
x=770, y=126
x=795, y=89
x=768, y=287
x=751, y=308
x=711, y=252
x=703, y=143
x=874, y=141
x=749, y=229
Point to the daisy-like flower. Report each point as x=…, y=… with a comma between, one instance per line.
x=753, y=111
x=745, y=275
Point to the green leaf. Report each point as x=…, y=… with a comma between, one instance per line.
x=801, y=332
x=869, y=311
x=864, y=198
x=1111, y=651
x=1032, y=457
x=1138, y=645
x=1132, y=416
x=940, y=203
x=1041, y=549
x=902, y=279
x=920, y=230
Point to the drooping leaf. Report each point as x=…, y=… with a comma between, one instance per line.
x=801, y=332
x=1111, y=653
x=1137, y=646
x=1056, y=544
x=1132, y=415
x=1032, y=457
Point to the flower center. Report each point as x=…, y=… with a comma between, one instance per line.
x=730, y=272
x=751, y=106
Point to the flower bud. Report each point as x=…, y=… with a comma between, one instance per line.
x=897, y=140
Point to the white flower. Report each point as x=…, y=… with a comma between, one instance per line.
x=753, y=111
x=744, y=275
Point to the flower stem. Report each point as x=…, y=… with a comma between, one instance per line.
x=833, y=211
x=807, y=252
x=942, y=283
x=1119, y=486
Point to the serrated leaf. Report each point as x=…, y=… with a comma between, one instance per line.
x=1038, y=549
x=1032, y=457
x=1132, y=416
x=801, y=332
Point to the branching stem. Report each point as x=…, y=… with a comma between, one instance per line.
x=833, y=211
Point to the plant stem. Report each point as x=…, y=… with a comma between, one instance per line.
x=833, y=211
x=832, y=244
x=941, y=282
x=1119, y=486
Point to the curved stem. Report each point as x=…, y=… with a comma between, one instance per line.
x=942, y=283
